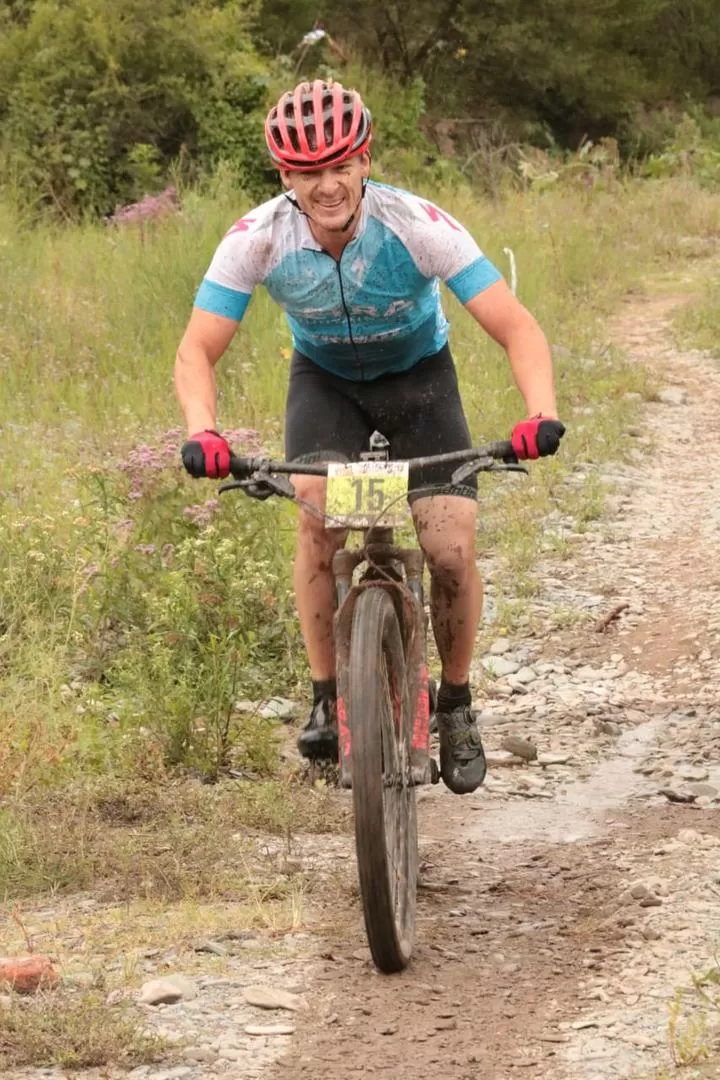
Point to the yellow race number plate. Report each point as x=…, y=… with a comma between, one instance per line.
x=364, y=494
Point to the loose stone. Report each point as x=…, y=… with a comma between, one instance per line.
x=167, y=991
x=521, y=748
x=267, y=997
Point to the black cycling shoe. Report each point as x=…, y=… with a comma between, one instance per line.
x=462, y=758
x=318, y=740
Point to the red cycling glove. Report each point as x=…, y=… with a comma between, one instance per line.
x=537, y=437
x=206, y=454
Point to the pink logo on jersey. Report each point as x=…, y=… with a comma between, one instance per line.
x=437, y=215
x=240, y=226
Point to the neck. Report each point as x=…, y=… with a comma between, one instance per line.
x=332, y=240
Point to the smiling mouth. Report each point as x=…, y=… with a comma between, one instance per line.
x=331, y=206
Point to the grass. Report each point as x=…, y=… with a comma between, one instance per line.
x=103, y=874
x=73, y=1031
x=694, y=1029
x=694, y=1024
x=698, y=324
x=171, y=842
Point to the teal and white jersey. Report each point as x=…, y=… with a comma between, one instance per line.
x=374, y=312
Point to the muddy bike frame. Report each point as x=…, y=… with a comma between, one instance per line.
x=399, y=570
x=383, y=705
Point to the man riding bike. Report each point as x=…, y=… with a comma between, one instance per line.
x=356, y=266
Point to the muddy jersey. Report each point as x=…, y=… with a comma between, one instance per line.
x=377, y=309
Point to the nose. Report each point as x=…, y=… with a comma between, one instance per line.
x=327, y=182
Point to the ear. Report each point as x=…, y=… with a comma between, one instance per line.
x=285, y=178
x=365, y=162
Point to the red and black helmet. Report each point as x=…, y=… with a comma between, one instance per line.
x=317, y=125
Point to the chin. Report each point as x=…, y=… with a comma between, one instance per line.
x=333, y=221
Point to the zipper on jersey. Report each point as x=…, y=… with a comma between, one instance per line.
x=358, y=357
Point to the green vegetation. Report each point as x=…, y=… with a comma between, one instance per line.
x=73, y=1031
x=103, y=102
x=97, y=98
x=694, y=1029
x=699, y=324
x=134, y=839
x=557, y=69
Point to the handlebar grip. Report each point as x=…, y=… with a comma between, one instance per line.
x=241, y=468
x=502, y=451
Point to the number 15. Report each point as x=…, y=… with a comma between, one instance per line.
x=374, y=498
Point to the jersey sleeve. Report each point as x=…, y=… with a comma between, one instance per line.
x=441, y=247
x=238, y=265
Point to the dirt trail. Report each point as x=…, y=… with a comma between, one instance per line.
x=562, y=907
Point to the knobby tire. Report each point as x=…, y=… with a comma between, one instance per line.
x=380, y=720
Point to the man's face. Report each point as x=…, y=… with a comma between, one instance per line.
x=329, y=196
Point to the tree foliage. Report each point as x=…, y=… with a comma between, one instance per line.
x=100, y=98
x=576, y=67
x=97, y=97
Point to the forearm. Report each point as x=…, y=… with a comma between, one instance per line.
x=195, y=388
x=531, y=363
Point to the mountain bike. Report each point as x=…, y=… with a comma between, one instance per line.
x=383, y=702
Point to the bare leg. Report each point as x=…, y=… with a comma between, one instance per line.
x=445, y=526
x=446, y=530
x=313, y=579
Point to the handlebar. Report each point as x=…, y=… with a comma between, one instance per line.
x=246, y=468
x=496, y=456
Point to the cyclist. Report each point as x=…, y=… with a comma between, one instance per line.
x=356, y=266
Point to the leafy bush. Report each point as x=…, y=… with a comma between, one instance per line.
x=98, y=98
x=693, y=150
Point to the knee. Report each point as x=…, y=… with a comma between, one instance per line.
x=314, y=539
x=452, y=563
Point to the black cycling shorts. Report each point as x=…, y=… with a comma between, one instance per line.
x=418, y=411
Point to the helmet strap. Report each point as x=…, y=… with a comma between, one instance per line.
x=296, y=204
x=352, y=217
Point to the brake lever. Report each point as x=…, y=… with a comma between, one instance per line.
x=484, y=464
x=280, y=485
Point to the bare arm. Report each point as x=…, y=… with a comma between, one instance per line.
x=505, y=319
x=204, y=342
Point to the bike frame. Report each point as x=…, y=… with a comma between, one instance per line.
x=400, y=570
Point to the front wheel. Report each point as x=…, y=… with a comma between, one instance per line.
x=380, y=722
